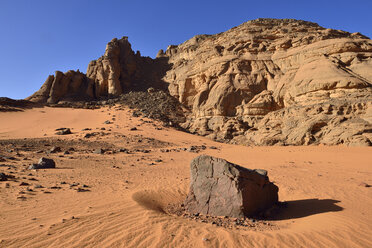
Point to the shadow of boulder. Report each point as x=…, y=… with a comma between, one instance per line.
x=303, y=208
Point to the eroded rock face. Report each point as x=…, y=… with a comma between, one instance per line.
x=114, y=70
x=220, y=188
x=69, y=86
x=118, y=71
x=265, y=82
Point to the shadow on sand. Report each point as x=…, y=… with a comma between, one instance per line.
x=302, y=208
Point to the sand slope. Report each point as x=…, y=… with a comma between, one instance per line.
x=327, y=206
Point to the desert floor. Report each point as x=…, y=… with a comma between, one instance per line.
x=117, y=199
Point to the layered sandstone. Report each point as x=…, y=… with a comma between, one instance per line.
x=265, y=82
x=120, y=70
x=272, y=81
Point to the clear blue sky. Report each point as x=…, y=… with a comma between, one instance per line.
x=41, y=36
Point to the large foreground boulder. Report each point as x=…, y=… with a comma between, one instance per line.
x=221, y=188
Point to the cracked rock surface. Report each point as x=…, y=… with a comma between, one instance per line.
x=221, y=188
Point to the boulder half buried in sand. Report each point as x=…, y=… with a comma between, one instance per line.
x=44, y=163
x=221, y=188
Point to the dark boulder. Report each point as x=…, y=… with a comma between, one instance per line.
x=3, y=177
x=221, y=188
x=63, y=131
x=55, y=149
x=44, y=163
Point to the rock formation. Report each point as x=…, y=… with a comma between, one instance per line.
x=119, y=70
x=273, y=81
x=265, y=82
x=220, y=188
x=69, y=86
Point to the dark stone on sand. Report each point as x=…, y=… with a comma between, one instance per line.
x=44, y=163
x=3, y=177
x=55, y=149
x=221, y=188
x=63, y=131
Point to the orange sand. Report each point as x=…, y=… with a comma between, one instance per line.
x=327, y=205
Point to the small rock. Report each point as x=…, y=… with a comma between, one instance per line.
x=44, y=163
x=192, y=149
x=261, y=172
x=123, y=150
x=99, y=151
x=88, y=135
x=63, y=131
x=133, y=129
x=55, y=149
x=3, y=177
x=82, y=190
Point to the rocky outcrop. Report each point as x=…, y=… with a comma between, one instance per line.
x=220, y=188
x=9, y=105
x=115, y=70
x=69, y=86
x=265, y=82
x=118, y=71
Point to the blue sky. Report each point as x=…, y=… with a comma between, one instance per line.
x=39, y=37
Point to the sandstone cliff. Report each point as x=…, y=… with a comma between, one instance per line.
x=265, y=82
x=273, y=81
x=119, y=70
